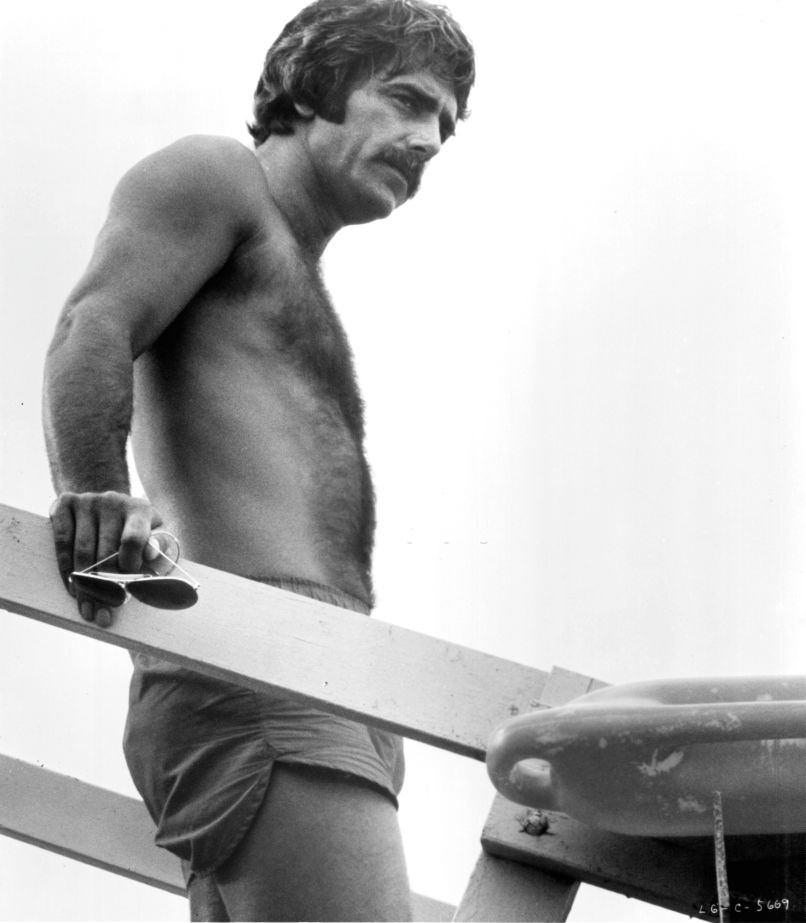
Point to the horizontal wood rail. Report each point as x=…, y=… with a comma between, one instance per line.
x=424, y=688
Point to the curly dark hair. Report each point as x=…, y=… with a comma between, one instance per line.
x=332, y=45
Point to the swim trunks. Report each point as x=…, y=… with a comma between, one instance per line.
x=201, y=750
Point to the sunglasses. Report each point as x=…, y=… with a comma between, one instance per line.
x=163, y=591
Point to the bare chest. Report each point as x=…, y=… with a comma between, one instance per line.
x=267, y=315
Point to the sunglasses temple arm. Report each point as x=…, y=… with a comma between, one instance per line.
x=188, y=576
x=99, y=563
x=178, y=566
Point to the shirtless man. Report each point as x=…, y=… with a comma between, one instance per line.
x=202, y=325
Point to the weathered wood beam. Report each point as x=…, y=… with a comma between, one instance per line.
x=104, y=829
x=84, y=822
x=503, y=889
x=510, y=891
x=264, y=638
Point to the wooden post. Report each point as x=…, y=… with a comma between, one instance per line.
x=504, y=890
x=501, y=889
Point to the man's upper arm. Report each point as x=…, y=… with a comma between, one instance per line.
x=174, y=220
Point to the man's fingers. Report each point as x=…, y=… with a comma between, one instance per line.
x=109, y=525
x=85, y=542
x=61, y=518
x=103, y=617
x=162, y=551
x=91, y=527
x=86, y=608
x=152, y=550
x=136, y=531
x=93, y=612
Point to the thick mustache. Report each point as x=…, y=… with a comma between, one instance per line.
x=409, y=164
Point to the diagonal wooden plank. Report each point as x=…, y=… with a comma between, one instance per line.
x=422, y=687
x=104, y=829
x=84, y=822
x=504, y=890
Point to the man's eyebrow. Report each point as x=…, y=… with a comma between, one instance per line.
x=429, y=103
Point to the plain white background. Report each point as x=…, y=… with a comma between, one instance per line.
x=581, y=347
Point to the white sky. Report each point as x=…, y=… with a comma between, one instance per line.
x=582, y=351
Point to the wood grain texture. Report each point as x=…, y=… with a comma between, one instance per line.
x=503, y=890
x=424, y=688
x=104, y=829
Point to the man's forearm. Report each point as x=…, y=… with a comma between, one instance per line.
x=87, y=410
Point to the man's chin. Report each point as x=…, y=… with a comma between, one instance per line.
x=375, y=207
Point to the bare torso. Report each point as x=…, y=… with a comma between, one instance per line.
x=248, y=430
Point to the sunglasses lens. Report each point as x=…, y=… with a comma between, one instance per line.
x=99, y=589
x=164, y=592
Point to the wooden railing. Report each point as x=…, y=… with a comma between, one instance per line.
x=105, y=829
x=424, y=688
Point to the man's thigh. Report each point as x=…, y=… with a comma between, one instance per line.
x=320, y=848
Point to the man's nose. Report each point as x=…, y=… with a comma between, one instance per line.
x=426, y=139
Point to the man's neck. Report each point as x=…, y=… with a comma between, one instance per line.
x=295, y=189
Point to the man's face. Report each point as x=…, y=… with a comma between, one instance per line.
x=372, y=163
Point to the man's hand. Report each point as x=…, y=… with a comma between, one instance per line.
x=90, y=526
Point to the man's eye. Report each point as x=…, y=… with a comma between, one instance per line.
x=406, y=101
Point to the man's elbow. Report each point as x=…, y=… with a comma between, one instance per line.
x=87, y=328
x=61, y=334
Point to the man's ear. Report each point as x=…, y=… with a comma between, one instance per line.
x=304, y=111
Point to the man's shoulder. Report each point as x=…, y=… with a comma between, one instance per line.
x=197, y=173
x=204, y=159
x=212, y=150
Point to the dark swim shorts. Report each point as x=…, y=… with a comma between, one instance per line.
x=201, y=750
